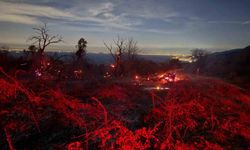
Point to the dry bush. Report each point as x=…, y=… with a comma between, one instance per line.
x=203, y=113
x=26, y=114
x=200, y=113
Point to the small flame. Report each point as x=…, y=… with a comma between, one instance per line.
x=161, y=75
x=112, y=65
x=38, y=73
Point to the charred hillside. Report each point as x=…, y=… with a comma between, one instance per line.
x=232, y=65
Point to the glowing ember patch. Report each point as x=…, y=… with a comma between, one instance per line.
x=158, y=88
x=107, y=75
x=161, y=75
x=77, y=71
x=75, y=146
x=78, y=74
x=38, y=73
x=112, y=66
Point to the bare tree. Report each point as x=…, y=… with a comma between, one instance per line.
x=117, y=52
x=43, y=38
x=199, y=57
x=120, y=51
x=198, y=54
x=131, y=49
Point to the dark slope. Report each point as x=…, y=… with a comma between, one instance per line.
x=232, y=65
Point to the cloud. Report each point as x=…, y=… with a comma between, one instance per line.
x=102, y=8
x=28, y=14
x=246, y=23
x=228, y=22
x=18, y=19
x=30, y=11
x=108, y=15
x=101, y=14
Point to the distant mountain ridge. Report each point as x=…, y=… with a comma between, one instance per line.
x=232, y=61
x=99, y=58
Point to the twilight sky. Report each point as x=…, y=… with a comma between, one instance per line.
x=156, y=24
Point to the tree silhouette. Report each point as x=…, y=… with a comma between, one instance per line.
x=198, y=54
x=32, y=49
x=131, y=49
x=199, y=57
x=123, y=51
x=43, y=38
x=82, y=45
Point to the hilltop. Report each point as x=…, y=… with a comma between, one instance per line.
x=232, y=65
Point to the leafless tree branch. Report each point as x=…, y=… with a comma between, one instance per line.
x=43, y=38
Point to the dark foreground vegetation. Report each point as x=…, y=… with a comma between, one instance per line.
x=200, y=113
x=48, y=103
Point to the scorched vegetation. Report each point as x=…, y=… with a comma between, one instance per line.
x=197, y=113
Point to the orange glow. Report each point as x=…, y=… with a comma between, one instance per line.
x=112, y=65
x=161, y=75
x=78, y=71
